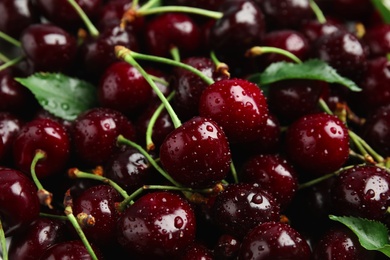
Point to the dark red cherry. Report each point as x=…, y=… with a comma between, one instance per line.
x=242, y=206
x=46, y=44
x=340, y=242
x=197, y=153
x=158, y=224
x=313, y=29
x=241, y=27
x=63, y=14
x=274, y=174
x=38, y=236
x=123, y=88
x=273, y=240
x=72, y=249
x=172, y=30
x=362, y=191
x=9, y=127
x=377, y=39
x=99, y=202
x=227, y=247
x=46, y=135
x=317, y=143
x=19, y=203
x=197, y=251
x=238, y=106
x=17, y=15
x=344, y=52
x=95, y=132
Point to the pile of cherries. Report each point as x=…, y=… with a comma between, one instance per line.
x=182, y=156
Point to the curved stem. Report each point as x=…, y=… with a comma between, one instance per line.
x=182, y=9
x=11, y=63
x=10, y=39
x=258, y=50
x=4, y=58
x=46, y=215
x=220, y=67
x=39, y=155
x=93, y=31
x=127, y=55
x=234, y=172
x=175, y=54
x=3, y=242
x=149, y=4
x=317, y=11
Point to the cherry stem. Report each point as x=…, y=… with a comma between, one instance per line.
x=149, y=130
x=159, y=80
x=149, y=4
x=3, y=242
x=181, y=9
x=175, y=53
x=259, y=50
x=173, y=63
x=46, y=215
x=220, y=67
x=76, y=173
x=122, y=140
x=134, y=4
x=126, y=55
x=388, y=56
x=10, y=39
x=93, y=31
x=317, y=11
x=11, y=63
x=75, y=224
x=130, y=199
x=45, y=197
x=234, y=172
x=4, y=58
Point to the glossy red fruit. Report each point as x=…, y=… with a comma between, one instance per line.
x=46, y=135
x=238, y=106
x=158, y=224
x=273, y=240
x=197, y=153
x=10, y=125
x=19, y=203
x=197, y=251
x=242, y=206
x=46, y=44
x=227, y=247
x=72, y=249
x=377, y=39
x=362, y=191
x=317, y=143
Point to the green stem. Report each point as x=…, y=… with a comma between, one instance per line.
x=175, y=54
x=39, y=155
x=75, y=224
x=76, y=173
x=317, y=11
x=220, y=67
x=122, y=140
x=4, y=58
x=368, y=153
x=324, y=106
x=3, y=242
x=11, y=63
x=258, y=50
x=134, y=4
x=93, y=31
x=130, y=199
x=10, y=39
x=234, y=172
x=181, y=9
x=127, y=55
x=152, y=121
x=149, y=4
x=46, y=215
x=316, y=181
x=159, y=80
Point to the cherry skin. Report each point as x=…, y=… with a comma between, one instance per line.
x=273, y=240
x=227, y=247
x=46, y=44
x=72, y=249
x=40, y=235
x=10, y=125
x=158, y=224
x=238, y=106
x=196, y=154
x=197, y=251
x=242, y=206
x=172, y=30
x=94, y=134
x=377, y=40
x=19, y=209
x=362, y=191
x=317, y=143
x=313, y=29
x=46, y=135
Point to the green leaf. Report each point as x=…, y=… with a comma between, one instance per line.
x=313, y=69
x=373, y=235
x=383, y=7
x=63, y=96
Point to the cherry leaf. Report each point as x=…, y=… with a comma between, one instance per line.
x=372, y=235
x=313, y=69
x=383, y=8
x=61, y=95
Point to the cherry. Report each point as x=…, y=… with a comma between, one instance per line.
x=274, y=174
x=238, y=106
x=362, y=191
x=10, y=125
x=38, y=236
x=340, y=242
x=377, y=40
x=317, y=143
x=203, y=4
x=158, y=224
x=196, y=154
x=18, y=209
x=99, y=202
x=46, y=135
x=94, y=134
x=227, y=247
x=197, y=251
x=242, y=206
x=46, y=44
x=273, y=240
x=314, y=29
x=72, y=249
x=17, y=15
x=169, y=30
x=124, y=89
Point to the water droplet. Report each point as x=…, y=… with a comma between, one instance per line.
x=65, y=106
x=257, y=199
x=178, y=222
